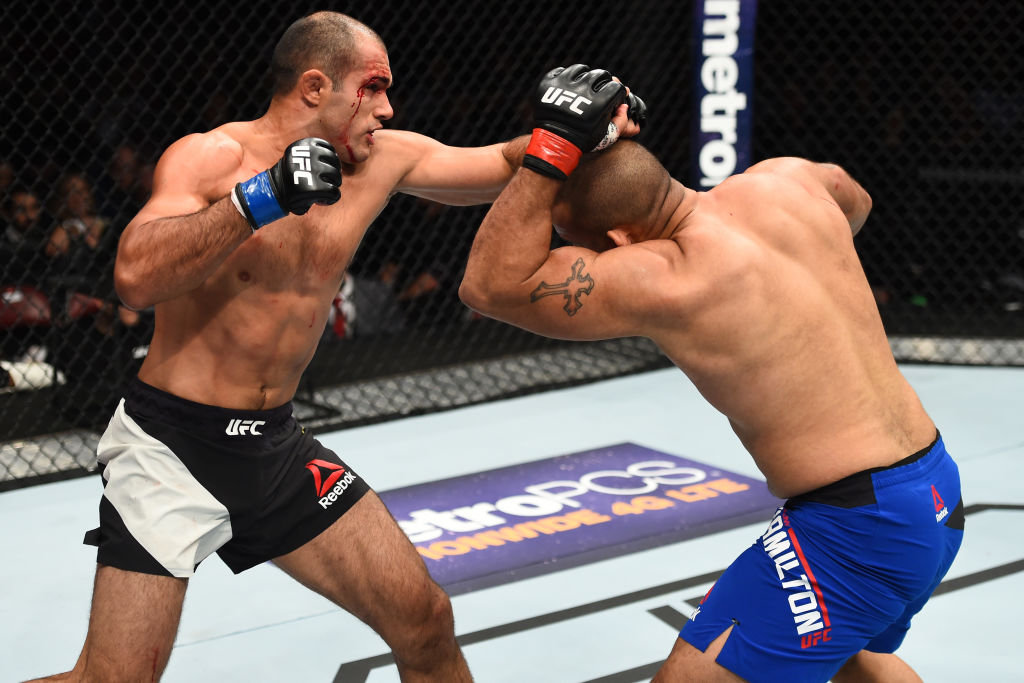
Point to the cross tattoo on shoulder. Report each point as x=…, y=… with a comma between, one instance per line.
x=576, y=285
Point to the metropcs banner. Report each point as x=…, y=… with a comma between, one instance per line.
x=505, y=524
x=724, y=89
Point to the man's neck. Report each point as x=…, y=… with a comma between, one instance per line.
x=678, y=205
x=284, y=122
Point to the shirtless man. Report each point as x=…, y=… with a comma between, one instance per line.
x=242, y=264
x=754, y=290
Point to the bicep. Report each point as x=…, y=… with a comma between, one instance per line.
x=452, y=175
x=583, y=295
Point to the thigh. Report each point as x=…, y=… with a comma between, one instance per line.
x=687, y=664
x=365, y=563
x=132, y=625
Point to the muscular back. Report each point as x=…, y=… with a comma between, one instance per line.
x=782, y=334
x=753, y=289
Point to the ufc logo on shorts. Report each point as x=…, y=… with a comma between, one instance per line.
x=300, y=158
x=559, y=97
x=243, y=427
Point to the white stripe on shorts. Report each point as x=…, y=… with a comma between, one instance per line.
x=165, y=508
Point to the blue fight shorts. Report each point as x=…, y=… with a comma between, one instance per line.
x=840, y=569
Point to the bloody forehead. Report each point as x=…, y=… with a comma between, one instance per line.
x=377, y=71
x=382, y=81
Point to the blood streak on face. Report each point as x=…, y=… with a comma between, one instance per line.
x=356, y=104
x=377, y=77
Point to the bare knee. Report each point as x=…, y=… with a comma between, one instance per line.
x=425, y=631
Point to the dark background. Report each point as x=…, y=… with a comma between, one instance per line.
x=921, y=101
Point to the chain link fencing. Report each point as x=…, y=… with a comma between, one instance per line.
x=919, y=101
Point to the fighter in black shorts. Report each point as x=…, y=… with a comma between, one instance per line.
x=241, y=250
x=183, y=480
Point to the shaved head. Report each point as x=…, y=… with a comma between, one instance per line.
x=622, y=187
x=327, y=41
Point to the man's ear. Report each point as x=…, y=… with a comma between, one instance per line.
x=312, y=86
x=620, y=236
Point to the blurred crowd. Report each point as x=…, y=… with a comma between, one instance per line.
x=60, y=233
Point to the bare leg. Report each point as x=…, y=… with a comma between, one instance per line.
x=366, y=564
x=687, y=664
x=131, y=628
x=875, y=667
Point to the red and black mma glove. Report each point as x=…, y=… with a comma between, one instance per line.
x=571, y=112
x=309, y=173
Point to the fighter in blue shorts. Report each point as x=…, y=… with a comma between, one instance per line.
x=755, y=291
x=840, y=569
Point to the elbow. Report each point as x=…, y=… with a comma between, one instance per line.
x=129, y=284
x=864, y=205
x=866, y=202
x=481, y=297
x=473, y=296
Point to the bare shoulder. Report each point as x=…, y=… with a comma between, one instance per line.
x=654, y=265
x=793, y=172
x=395, y=153
x=401, y=148
x=200, y=164
x=780, y=165
x=213, y=153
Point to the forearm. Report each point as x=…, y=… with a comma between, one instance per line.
x=513, y=241
x=164, y=258
x=513, y=151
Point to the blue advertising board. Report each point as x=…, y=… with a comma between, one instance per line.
x=509, y=523
x=723, y=89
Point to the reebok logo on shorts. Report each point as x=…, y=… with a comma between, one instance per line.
x=941, y=511
x=330, y=487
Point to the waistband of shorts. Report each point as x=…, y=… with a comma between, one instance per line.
x=177, y=410
x=858, y=489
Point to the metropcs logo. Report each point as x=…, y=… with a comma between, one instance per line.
x=719, y=74
x=331, y=487
x=243, y=427
x=560, y=97
x=551, y=497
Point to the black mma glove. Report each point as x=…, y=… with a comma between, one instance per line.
x=309, y=173
x=637, y=109
x=571, y=112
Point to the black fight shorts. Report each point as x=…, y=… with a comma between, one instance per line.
x=182, y=480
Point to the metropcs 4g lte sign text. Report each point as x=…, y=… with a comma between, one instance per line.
x=500, y=525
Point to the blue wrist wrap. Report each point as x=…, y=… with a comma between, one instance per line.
x=260, y=198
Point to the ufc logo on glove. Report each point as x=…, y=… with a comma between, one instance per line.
x=559, y=97
x=300, y=158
